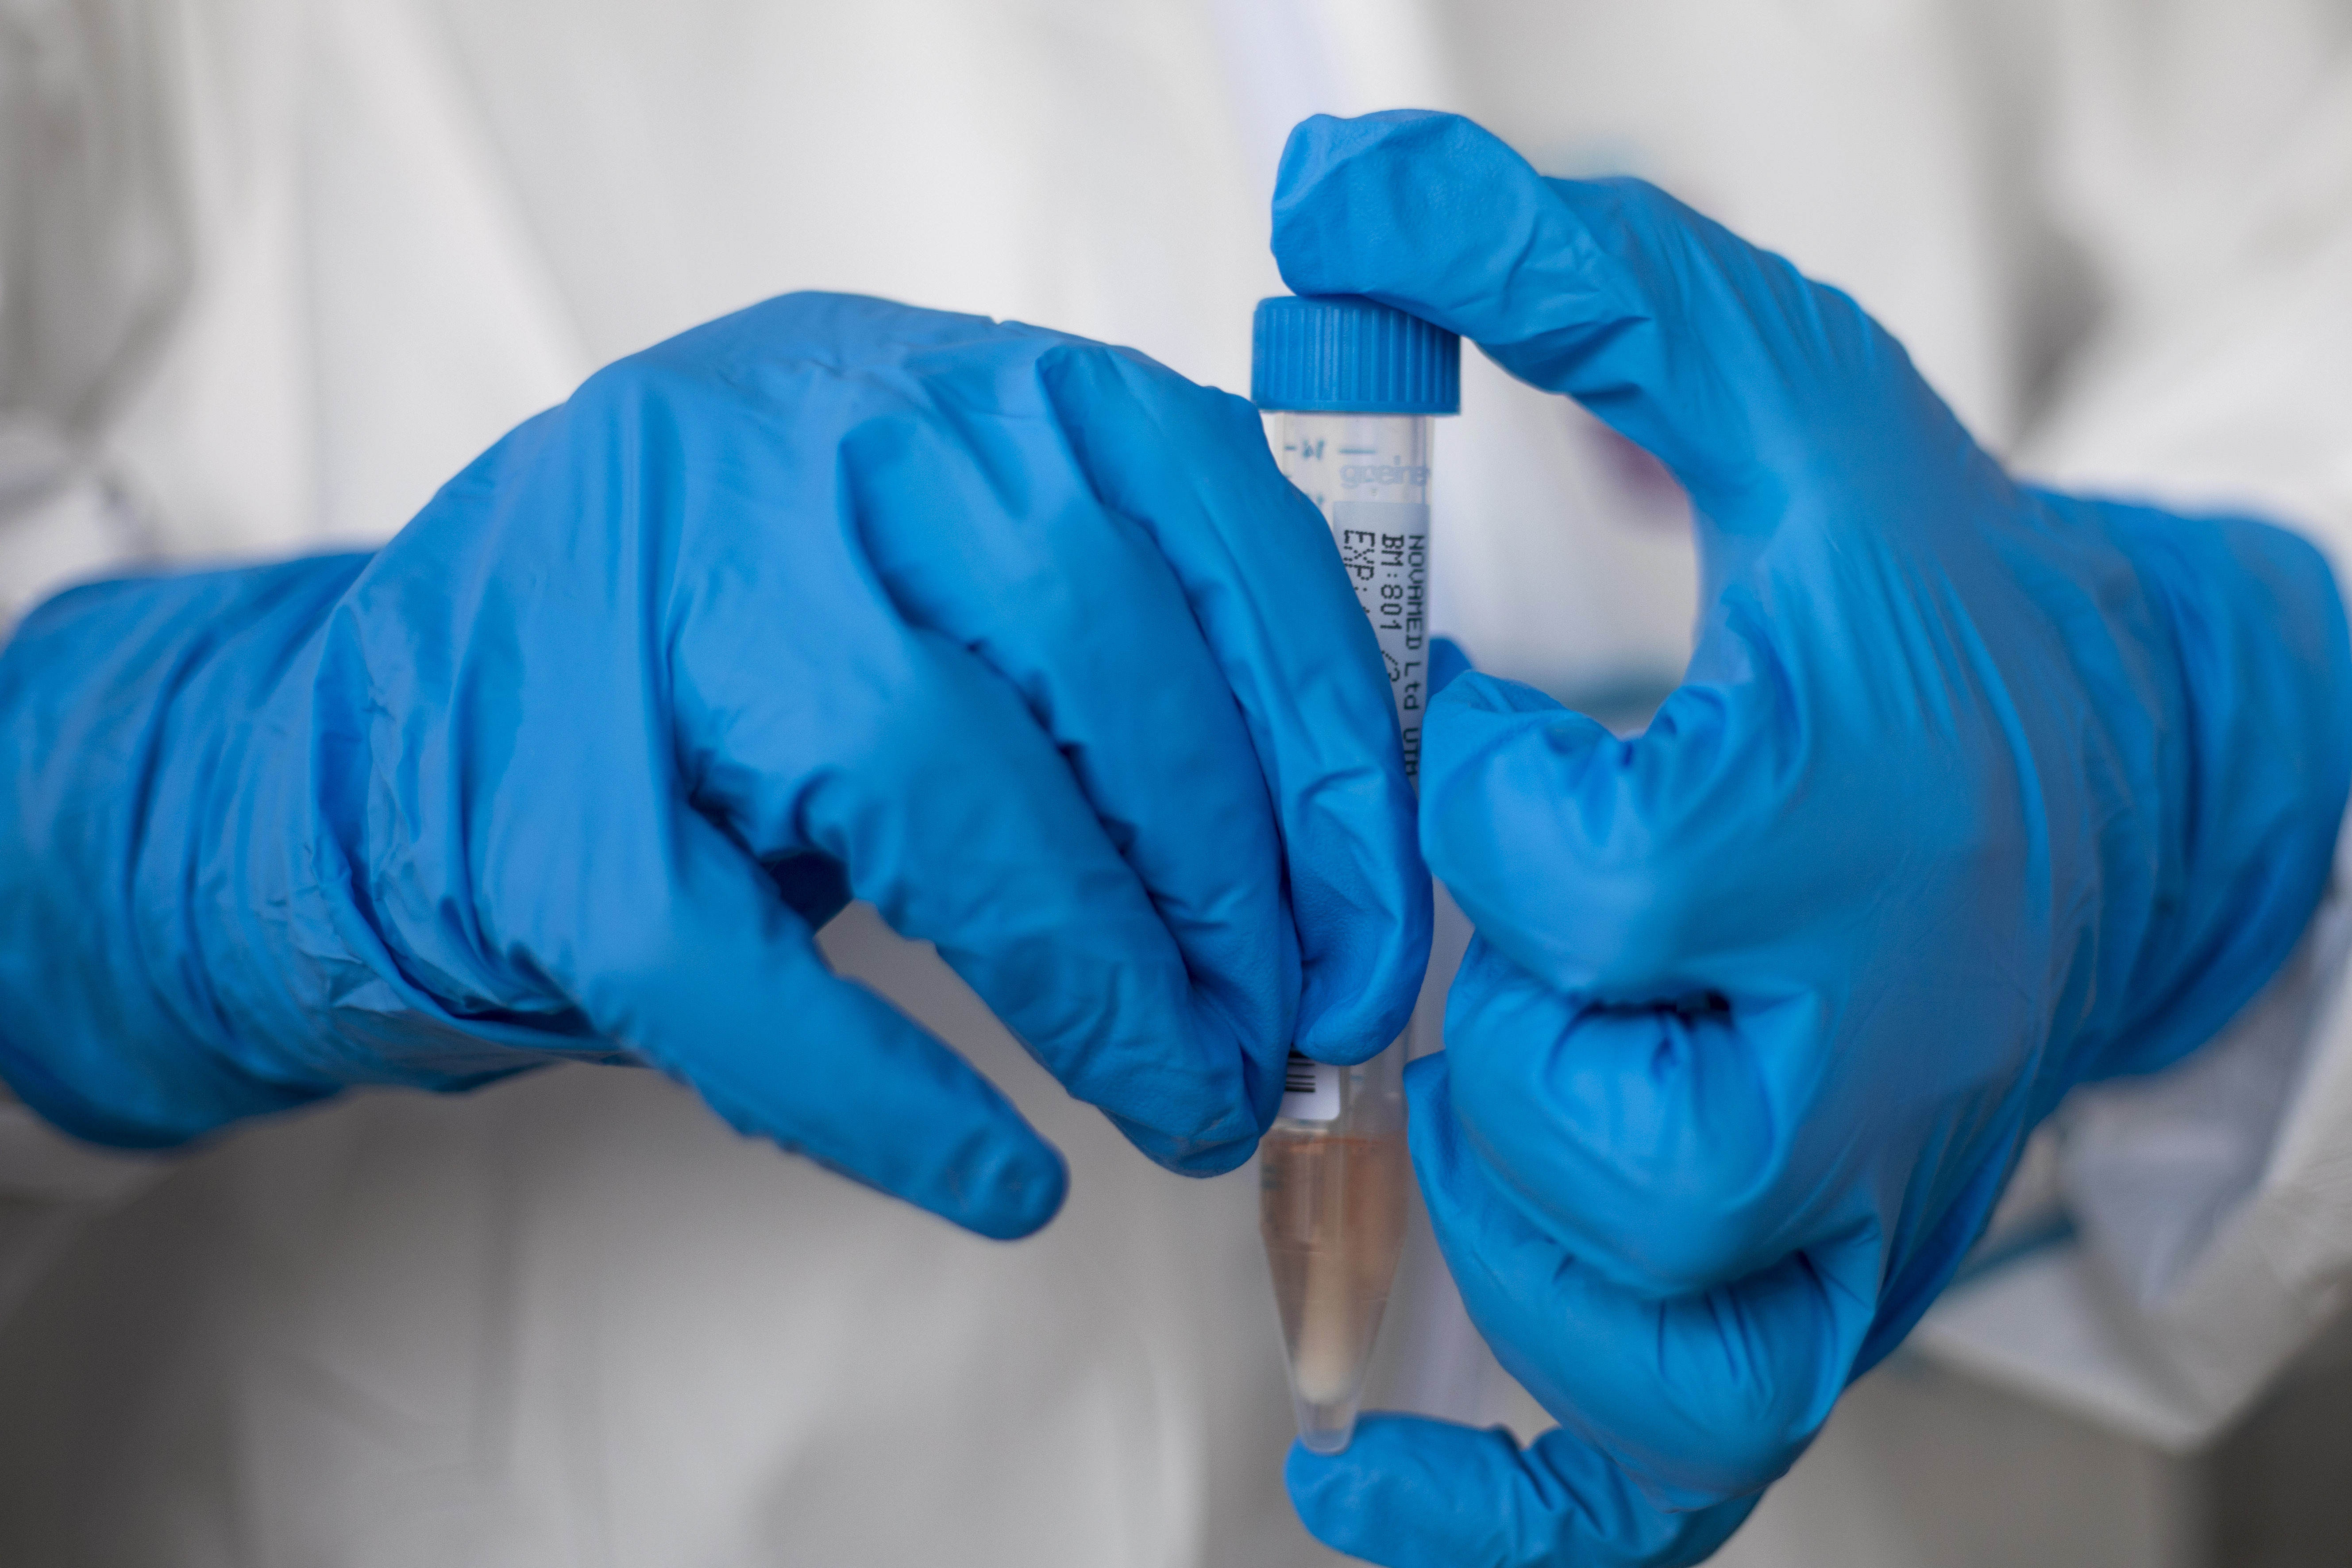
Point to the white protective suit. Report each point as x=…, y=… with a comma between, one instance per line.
x=272, y=269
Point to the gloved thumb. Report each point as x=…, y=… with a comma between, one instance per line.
x=1415, y=1493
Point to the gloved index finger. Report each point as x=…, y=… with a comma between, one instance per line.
x=1690, y=341
x=1190, y=466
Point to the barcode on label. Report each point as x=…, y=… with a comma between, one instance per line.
x=1310, y=1090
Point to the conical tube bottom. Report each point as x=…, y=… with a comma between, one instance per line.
x=1324, y=1429
x=1332, y=1208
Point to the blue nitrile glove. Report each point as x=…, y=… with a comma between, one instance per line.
x=1973, y=793
x=1023, y=639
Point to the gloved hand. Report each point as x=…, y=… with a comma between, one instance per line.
x=1023, y=639
x=1972, y=794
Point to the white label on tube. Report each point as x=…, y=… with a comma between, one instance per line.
x=1385, y=547
x=1310, y=1090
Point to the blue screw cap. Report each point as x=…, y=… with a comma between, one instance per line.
x=1342, y=353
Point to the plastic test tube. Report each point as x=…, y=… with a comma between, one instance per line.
x=1349, y=386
